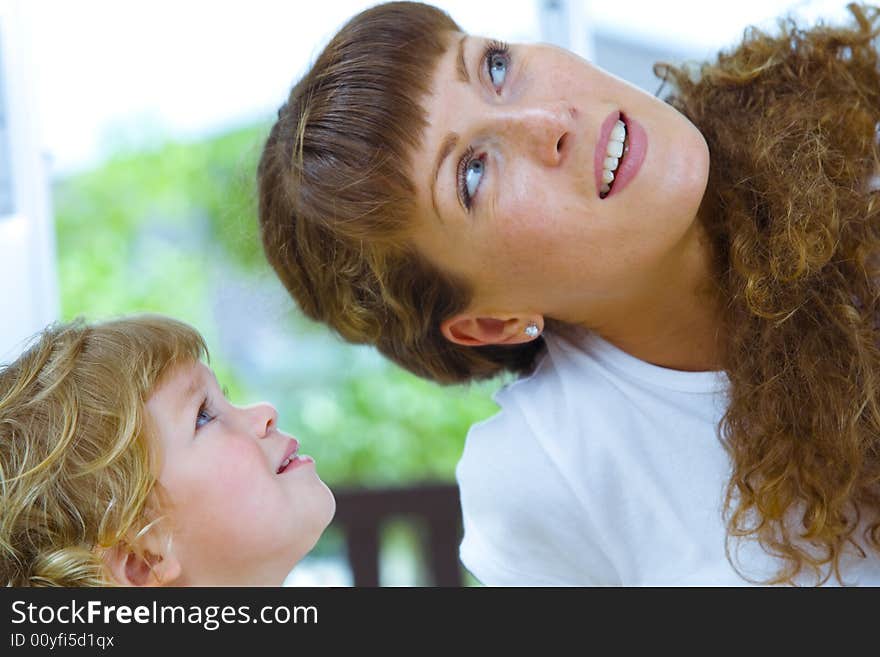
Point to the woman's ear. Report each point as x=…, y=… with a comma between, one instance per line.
x=474, y=331
x=151, y=565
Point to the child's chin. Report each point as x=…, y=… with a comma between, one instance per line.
x=331, y=506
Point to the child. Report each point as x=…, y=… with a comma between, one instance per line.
x=122, y=463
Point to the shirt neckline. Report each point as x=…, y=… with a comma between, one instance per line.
x=710, y=381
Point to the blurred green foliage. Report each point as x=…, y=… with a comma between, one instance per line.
x=160, y=230
x=392, y=428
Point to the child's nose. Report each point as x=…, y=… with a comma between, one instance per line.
x=264, y=418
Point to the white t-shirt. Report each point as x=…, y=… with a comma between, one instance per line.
x=603, y=469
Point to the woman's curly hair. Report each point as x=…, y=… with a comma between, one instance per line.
x=77, y=471
x=791, y=123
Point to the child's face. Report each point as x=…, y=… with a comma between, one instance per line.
x=237, y=516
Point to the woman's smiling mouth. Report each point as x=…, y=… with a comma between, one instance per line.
x=620, y=152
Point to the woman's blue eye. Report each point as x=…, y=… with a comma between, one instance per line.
x=470, y=173
x=497, y=69
x=472, y=176
x=471, y=169
x=497, y=58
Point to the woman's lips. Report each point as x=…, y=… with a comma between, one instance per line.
x=634, y=155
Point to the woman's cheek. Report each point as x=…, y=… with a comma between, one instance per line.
x=533, y=228
x=523, y=215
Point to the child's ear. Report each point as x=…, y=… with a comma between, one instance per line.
x=146, y=567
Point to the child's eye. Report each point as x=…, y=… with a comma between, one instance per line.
x=203, y=417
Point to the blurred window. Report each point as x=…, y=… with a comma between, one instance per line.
x=7, y=202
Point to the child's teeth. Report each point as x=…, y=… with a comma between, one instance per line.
x=610, y=163
x=607, y=176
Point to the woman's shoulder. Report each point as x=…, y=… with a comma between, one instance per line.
x=549, y=401
x=567, y=352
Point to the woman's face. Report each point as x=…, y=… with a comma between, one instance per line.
x=509, y=187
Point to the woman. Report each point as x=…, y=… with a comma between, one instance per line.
x=659, y=274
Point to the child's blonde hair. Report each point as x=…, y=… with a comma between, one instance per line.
x=76, y=467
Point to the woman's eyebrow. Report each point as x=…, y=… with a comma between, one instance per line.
x=463, y=75
x=451, y=140
x=445, y=149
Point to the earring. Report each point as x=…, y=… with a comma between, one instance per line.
x=532, y=330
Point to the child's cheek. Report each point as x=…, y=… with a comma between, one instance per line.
x=240, y=469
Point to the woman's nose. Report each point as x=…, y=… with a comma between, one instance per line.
x=540, y=130
x=263, y=419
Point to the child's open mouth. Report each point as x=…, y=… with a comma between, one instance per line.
x=291, y=459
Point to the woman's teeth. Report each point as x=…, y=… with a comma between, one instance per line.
x=613, y=153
